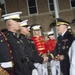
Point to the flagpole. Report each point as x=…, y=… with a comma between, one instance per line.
x=56, y=8
x=56, y=11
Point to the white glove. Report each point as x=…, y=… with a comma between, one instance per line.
x=34, y=72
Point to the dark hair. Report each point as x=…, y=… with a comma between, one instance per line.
x=0, y=6
x=73, y=26
x=73, y=21
x=4, y=31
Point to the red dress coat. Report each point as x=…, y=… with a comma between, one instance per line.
x=51, y=44
x=40, y=44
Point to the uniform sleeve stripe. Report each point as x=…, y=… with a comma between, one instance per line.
x=52, y=55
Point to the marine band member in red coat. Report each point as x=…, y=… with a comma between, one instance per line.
x=41, y=48
x=51, y=44
x=39, y=40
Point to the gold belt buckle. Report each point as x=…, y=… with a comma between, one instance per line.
x=12, y=63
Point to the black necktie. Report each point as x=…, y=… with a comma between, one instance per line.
x=60, y=37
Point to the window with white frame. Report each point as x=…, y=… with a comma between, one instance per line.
x=2, y=4
x=32, y=6
x=72, y=3
x=51, y=5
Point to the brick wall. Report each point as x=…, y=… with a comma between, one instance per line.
x=44, y=16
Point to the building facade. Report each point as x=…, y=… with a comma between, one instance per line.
x=39, y=11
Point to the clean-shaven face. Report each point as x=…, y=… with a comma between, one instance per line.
x=25, y=31
x=61, y=29
x=16, y=25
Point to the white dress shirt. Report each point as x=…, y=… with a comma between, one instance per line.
x=72, y=58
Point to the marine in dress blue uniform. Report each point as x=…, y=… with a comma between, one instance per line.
x=22, y=64
x=30, y=46
x=6, y=58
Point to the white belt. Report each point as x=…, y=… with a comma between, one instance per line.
x=7, y=64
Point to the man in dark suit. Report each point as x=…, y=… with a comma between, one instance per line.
x=64, y=42
x=22, y=64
